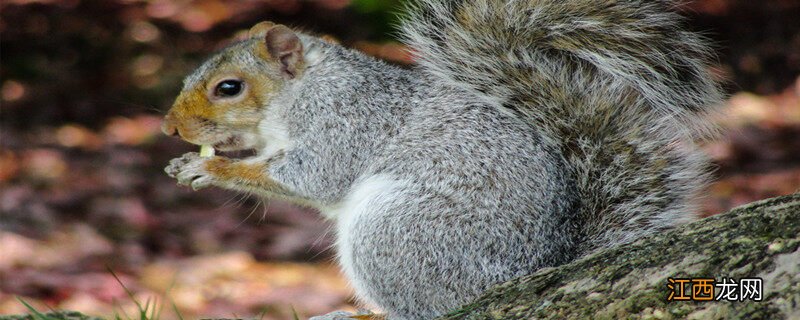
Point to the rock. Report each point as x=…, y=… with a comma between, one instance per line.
x=758, y=240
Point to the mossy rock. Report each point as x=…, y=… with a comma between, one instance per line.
x=758, y=240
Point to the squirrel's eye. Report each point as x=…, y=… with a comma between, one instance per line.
x=228, y=88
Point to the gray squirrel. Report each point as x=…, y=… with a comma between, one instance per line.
x=530, y=134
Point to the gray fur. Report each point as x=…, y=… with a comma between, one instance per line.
x=532, y=133
x=354, y=118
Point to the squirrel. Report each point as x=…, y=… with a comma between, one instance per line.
x=529, y=134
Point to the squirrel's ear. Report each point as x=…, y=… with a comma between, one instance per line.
x=284, y=45
x=260, y=29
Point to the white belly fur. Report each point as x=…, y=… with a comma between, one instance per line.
x=364, y=198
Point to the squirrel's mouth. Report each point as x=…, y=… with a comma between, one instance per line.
x=231, y=143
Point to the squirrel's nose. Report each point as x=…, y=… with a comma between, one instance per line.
x=167, y=127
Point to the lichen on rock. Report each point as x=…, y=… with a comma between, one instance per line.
x=759, y=240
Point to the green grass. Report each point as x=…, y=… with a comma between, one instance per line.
x=150, y=310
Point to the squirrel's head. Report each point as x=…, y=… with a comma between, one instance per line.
x=223, y=101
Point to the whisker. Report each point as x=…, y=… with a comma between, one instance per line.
x=316, y=242
x=266, y=204
x=133, y=107
x=230, y=199
x=247, y=217
x=239, y=203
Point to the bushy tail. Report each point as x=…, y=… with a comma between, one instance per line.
x=620, y=87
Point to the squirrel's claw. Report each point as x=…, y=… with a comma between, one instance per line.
x=336, y=315
x=201, y=182
x=344, y=315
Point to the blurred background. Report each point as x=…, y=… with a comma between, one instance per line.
x=83, y=85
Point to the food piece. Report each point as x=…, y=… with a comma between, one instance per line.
x=206, y=151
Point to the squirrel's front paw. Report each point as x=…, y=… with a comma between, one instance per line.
x=190, y=170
